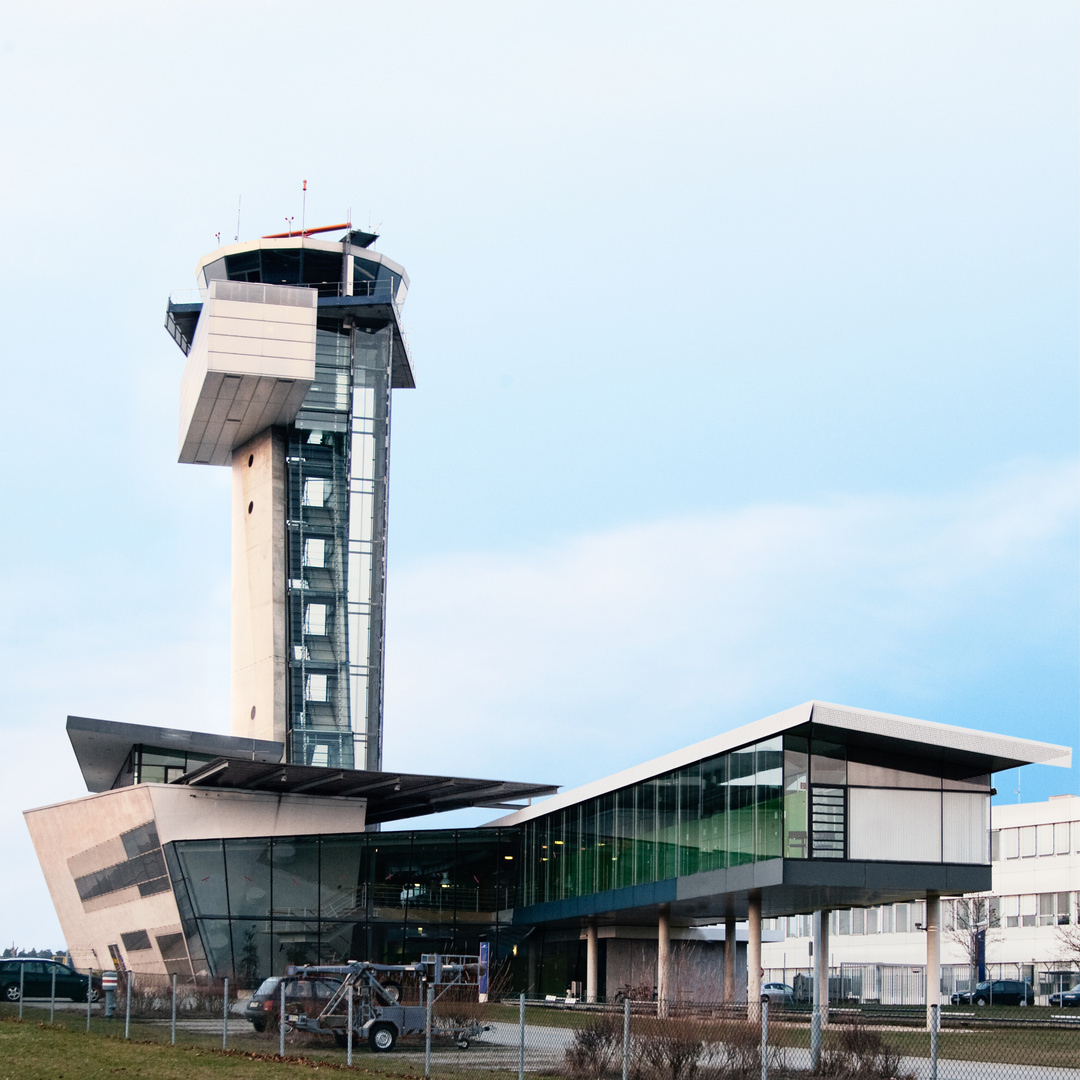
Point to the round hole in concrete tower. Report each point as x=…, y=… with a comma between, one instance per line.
x=251, y=460
x=252, y=712
x=251, y=506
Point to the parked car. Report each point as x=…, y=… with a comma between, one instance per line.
x=998, y=992
x=1067, y=999
x=37, y=979
x=308, y=996
x=777, y=993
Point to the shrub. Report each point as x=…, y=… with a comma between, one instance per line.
x=668, y=1050
x=595, y=1048
x=860, y=1053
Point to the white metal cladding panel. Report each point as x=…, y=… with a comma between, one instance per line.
x=965, y=827
x=257, y=293
x=250, y=366
x=894, y=825
x=922, y=731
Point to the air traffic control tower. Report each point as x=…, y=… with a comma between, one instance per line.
x=291, y=357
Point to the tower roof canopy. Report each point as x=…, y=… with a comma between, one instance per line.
x=102, y=747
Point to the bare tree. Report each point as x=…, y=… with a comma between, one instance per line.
x=977, y=927
x=1069, y=941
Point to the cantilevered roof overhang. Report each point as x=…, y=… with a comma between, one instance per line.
x=968, y=751
x=390, y=796
x=102, y=747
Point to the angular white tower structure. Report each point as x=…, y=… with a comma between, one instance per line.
x=291, y=358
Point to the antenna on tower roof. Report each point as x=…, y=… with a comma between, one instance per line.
x=239, y=198
x=303, y=210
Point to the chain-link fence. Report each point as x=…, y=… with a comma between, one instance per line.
x=518, y=1038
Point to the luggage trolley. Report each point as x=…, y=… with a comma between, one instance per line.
x=378, y=1015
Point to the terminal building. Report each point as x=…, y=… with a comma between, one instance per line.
x=212, y=855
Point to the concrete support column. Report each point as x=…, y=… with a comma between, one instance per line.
x=731, y=952
x=753, y=959
x=821, y=965
x=663, y=960
x=591, y=961
x=933, y=953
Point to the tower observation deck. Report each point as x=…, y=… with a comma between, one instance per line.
x=292, y=353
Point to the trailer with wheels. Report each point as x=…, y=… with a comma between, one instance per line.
x=378, y=1016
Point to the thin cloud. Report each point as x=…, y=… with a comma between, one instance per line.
x=622, y=635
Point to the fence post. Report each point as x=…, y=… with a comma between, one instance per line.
x=281, y=1022
x=22, y=972
x=52, y=994
x=129, y=984
x=935, y=1020
x=427, y=1031
x=521, y=1021
x=815, y=1040
x=89, y=994
x=765, y=1038
x=173, y=1037
x=225, y=1017
x=626, y=1040
x=349, y=1021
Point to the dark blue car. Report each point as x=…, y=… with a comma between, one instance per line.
x=1066, y=999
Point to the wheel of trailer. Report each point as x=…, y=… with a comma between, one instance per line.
x=392, y=989
x=381, y=1038
x=341, y=1039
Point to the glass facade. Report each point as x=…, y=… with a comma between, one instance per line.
x=157, y=765
x=792, y=796
x=251, y=906
x=717, y=813
x=336, y=470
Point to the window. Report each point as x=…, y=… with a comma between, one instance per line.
x=995, y=845
x=316, y=688
x=1061, y=838
x=858, y=921
x=315, y=492
x=1012, y=843
x=315, y=552
x=948, y=915
x=1046, y=909
x=1010, y=905
x=1027, y=841
x=1029, y=910
x=873, y=920
x=903, y=914
x=1044, y=839
x=993, y=905
x=844, y=921
x=315, y=623
x=887, y=919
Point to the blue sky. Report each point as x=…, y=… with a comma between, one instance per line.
x=746, y=340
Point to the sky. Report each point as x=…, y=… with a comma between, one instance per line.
x=746, y=344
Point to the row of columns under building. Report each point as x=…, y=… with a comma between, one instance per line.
x=753, y=959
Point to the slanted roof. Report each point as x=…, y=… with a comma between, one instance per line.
x=390, y=796
x=102, y=746
x=981, y=751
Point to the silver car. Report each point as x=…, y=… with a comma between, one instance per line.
x=776, y=993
